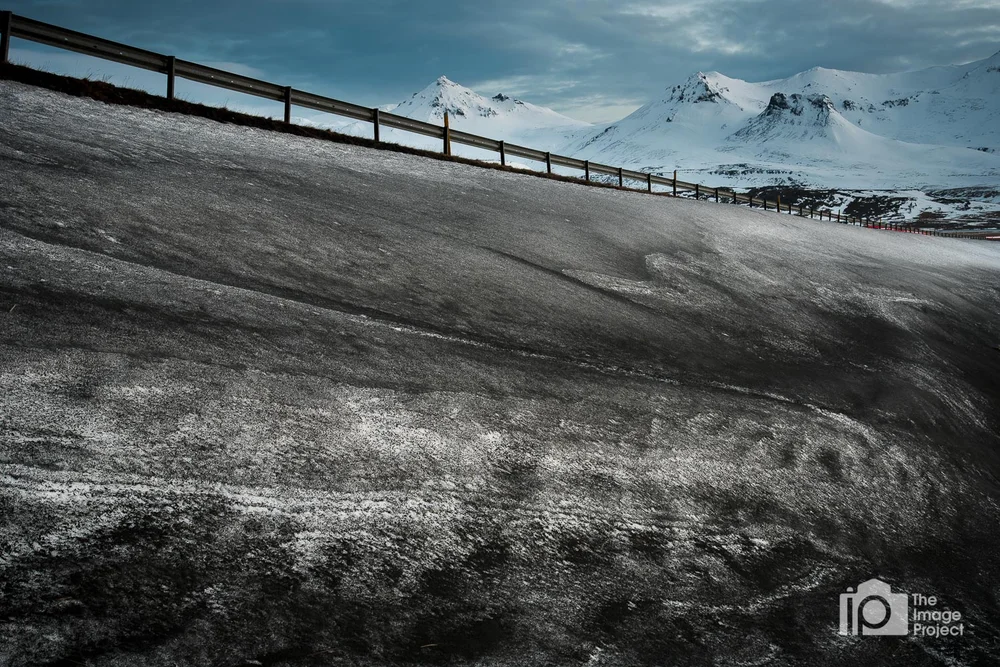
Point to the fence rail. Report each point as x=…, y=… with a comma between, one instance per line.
x=12, y=25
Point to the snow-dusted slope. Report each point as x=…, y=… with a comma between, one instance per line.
x=951, y=106
x=268, y=400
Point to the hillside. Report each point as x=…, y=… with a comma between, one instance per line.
x=274, y=401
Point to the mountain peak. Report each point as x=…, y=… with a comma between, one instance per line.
x=697, y=89
x=797, y=105
x=437, y=86
x=476, y=113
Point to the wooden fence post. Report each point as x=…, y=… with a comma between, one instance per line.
x=503, y=154
x=447, y=135
x=288, y=105
x=6, y=19
x=586, y=170
x=171, y=76
x=375, y=124
x=621, y=180
x=548, y=162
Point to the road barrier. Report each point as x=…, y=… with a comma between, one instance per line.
x=12, y=25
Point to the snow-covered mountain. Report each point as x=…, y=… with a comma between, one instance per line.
x=938, y=127
x=475, y=113
x=932, y=130
x=498, y=117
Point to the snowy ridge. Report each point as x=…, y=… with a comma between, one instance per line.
x=819, y=128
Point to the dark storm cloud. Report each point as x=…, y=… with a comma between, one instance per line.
x=595, y=59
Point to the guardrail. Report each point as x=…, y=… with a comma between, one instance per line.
x=12, y=25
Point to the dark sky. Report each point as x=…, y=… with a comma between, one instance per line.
x=591, y=59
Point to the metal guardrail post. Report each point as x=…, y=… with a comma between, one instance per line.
x=288, y=105
x=649, y=182
x=375, y=124
x=447, y=135
x=716, y=195
x=171, y=76
x=621, y=180
x=779, y=204
x=548, y=162
x=586, y=170
x=503, y=155
x=6, y=19
x=697, y=191
x=675, y=182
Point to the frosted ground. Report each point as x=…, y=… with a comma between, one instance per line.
x=270, y=400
